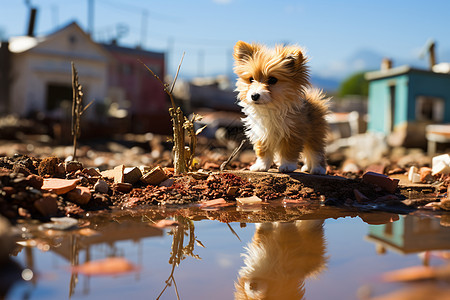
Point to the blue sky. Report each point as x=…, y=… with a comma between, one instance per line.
x=331, y=31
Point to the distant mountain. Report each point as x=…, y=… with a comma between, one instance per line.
x=326, y=84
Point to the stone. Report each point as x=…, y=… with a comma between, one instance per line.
x=61, y=169
x=231, y=191
x=155, y=176
x=132, y=175
x=349, y=166
x=59, y=186
x=73, y=166
x=48, y=166
x=116, y=174
x=168, y=182
x=215, y=203
x=441, y=164
x=249, y=200
x=80, y=195
x=123, y=187
x=92, y=172
x=101, y=186
x=47, y=205
x=413, y=171
x=35, y=181
x=425, y=174
x=381, y=180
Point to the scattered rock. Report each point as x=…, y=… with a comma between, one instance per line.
x=47, y=205
x=73, y=166
x=349, y=166
x=132, y=175
x=168, y=182
x=59, y=186
x=441, y=164
x=231, y=191
x=413, y=174
x=92, y=172
x=48, y=166
x=101, y=186
x=425, y=175
x=215, y=203
x=35, y=181
x=116, y=174
x=80, y=195
x=249, y=200
x=382, y=181
x=123, y=187
x=155, y=176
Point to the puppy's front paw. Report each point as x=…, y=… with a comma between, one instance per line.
x=318, y=170
x=261, y=165
x=288, y=167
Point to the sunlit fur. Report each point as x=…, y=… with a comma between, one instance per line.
x=289, y=116
x=279, y=259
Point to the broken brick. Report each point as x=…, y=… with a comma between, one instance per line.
x=59, y=186
x=155, y=176
x=80, y=195
x=46, y=205
x=381, y=180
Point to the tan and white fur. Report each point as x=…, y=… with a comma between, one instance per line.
x=279, y=259
x=284, y=115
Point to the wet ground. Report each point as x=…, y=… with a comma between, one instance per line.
x=306, y=237
x=192, y=255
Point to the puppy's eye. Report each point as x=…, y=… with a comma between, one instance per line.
x=251, y=79
x=272, y=80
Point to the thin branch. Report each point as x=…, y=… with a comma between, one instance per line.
x=176, y=74
x=233, y=155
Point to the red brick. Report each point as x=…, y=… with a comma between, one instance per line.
x=381, y=180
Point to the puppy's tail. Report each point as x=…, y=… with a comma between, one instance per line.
x=318, y=100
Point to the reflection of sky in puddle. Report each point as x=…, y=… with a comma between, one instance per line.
x=352, y=262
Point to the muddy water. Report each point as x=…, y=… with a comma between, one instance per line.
x=334, y=258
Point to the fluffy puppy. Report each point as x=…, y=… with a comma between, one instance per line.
x=279, y=259
x=284, y=115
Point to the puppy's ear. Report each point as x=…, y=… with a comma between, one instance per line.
x=294, y=58
x=243, y=51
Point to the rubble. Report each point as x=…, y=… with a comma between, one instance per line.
x=441, y=164
x=26, y=194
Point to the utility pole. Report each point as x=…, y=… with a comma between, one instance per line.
x=201, y=63
x=91, y=18
x=144, y=26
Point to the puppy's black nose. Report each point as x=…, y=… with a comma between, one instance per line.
x=255, y=96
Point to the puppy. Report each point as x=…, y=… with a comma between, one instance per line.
x=284, y=115
x=279, y=259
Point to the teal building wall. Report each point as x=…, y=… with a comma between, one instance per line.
x=409, y=84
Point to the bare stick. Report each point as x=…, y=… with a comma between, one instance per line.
x=233, y=155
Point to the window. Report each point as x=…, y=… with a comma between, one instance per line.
x=429, y=109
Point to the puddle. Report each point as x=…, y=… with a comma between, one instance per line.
x=326, y=255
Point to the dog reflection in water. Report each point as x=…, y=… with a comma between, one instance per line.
x=279, y=258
